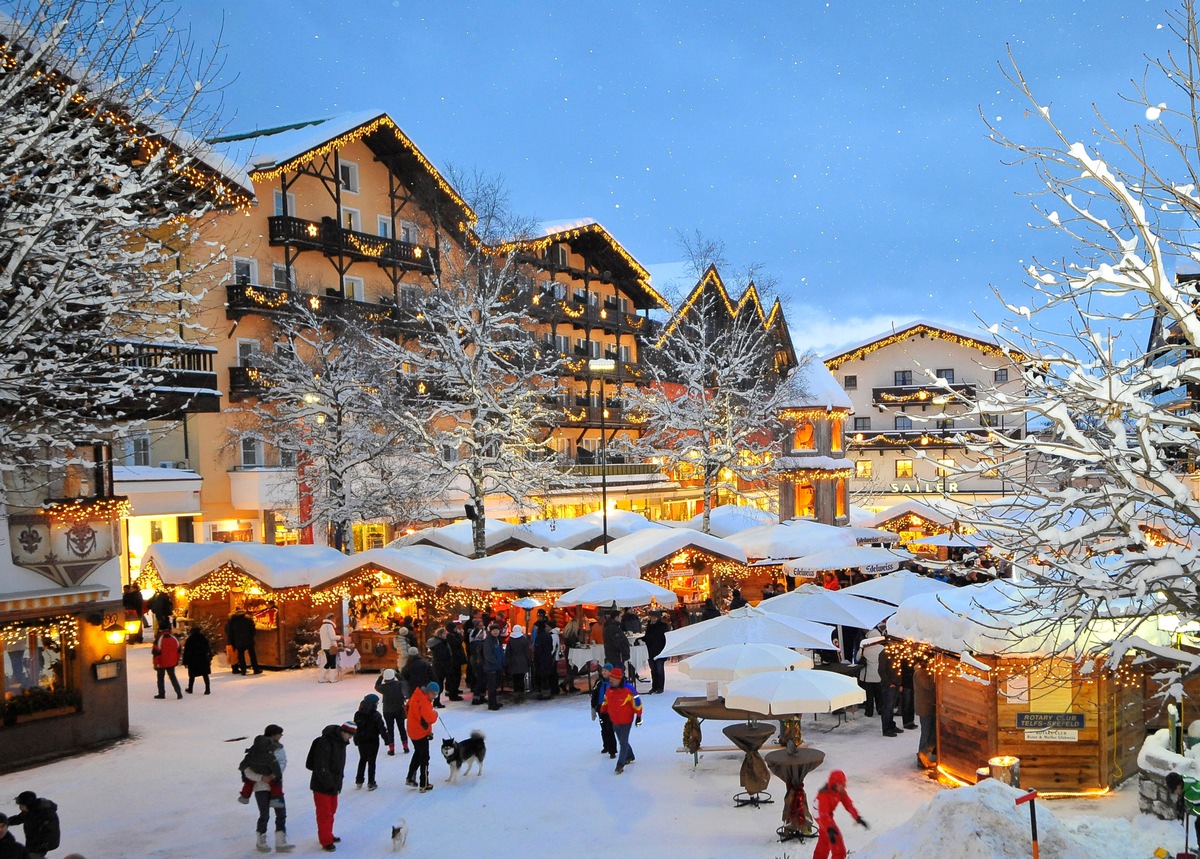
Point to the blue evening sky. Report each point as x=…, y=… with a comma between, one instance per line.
x=837, y=144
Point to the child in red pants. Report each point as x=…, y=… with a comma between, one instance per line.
x=829, y=837
x=262, y=765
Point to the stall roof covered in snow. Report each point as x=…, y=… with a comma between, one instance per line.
x=818, y=389
x=651, y=547
x=558, y=533
x=536, y=570
x=421, y=564
x=458, y=537
x=730, y=518
x=793, y=539
x=621, y=523
x=277, y=567
x=941, y=512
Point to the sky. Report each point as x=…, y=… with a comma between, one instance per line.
x=839, y=146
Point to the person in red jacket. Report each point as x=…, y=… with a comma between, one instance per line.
x=623, y=707
x=829, y=837
x=421, y=717
x=166, y=657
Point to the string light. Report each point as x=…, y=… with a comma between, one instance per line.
x=921, y=329
x=813, y=414
x=712, y=280
x=64, y=628
x=811, y=474
x=88, y=509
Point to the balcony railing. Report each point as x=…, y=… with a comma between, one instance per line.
x=545, y=306
x=243, y=298
x=929, y=437
x=185, y=381
x=331, y=238
x=613, y=469
x=921, y=395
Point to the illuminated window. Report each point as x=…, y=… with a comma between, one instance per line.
x=835, y=439
x=990, y=470
x=863, y=469
x=840, y=497
x=904, y=468
x=945, y=467
x=804, y=500
x=355, y=288
x=945, y=423
x=803, y=437
x=992, y=420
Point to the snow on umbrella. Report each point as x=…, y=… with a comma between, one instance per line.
x=619, y=591
x=835, y=607
x=952, y=540
x=528, y=603
x=747, y=625
x=741, y=660
x=788, y=693
x=896, y=587
x=867, y=559
x=790, y=540
x=535, y=569
x=865, y=536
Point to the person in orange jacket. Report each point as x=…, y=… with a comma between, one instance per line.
x=166, y=657
x=421, y=717
x=623, y=706
x=829, y=837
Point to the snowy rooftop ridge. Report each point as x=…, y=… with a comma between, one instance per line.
x=262, y=148
x=563, y=225
x=819, y=389
x=981, y=335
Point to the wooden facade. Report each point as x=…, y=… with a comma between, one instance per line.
x=978, y=720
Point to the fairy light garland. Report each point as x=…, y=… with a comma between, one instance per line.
x=818, y=474
x=813, y=414
x=64, y=628
x=88, y=509
x=921, y=330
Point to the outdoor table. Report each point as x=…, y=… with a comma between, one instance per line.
x=754, y=774
x=579, y=657
x=791, y=769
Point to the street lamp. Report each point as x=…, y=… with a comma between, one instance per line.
x=599, y=367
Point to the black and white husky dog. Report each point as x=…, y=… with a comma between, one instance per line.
x=458, y=755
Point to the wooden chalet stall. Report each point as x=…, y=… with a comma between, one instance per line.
x=212, y=580
x=692, y=564
x=912, y=520
x=1075, y=726
x=380, y=587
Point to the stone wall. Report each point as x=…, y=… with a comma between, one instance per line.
x=1154, y=798
x=1154, y=762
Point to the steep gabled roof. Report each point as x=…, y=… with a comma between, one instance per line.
x=269, y=152
x=923, y=328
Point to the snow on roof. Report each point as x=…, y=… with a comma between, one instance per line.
x=651, y=547
x=536, y=569
x=730, y=518
x=622, y=522
x=560, y=533
x=823, y=463
x=422, y=564
x=260, y=149
x=793, y=539
x=981, y=336
x=458, y=536
x=861, y=516
x=148, y=474
x=818, y=389
x=277, y=567
x=562, y=225
x=942, y=511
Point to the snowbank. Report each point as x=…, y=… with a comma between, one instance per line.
x=983, y=822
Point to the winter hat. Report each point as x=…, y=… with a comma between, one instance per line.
x=272, y=730
x=412, y=651
x=389, y=674
x=517, y=631
x=617, y=674
x=608, y=666
x=372, y=697
x=4, y=819
x=26, y=797
x=432, y=688
x=349, y=727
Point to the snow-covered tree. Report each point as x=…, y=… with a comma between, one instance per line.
x=331, y=400
x=101, y=184
x=482, y=378
x=716, y=383
x=1109, y=512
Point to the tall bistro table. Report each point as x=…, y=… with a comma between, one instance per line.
x=754, y=774
x=791, y=770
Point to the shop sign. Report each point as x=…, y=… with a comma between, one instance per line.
x=1050, y=721
x=1053, y=735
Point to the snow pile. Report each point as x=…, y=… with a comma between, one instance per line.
x=1156, y=755
x=984, y=822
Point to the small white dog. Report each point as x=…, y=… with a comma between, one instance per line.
x=399, y=836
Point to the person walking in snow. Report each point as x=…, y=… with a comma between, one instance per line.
x=371, y=729
x=493, y=665
x=624, y=707
x=829, y=836
x=329, y=648
x=608, y=737
x=421, y=717
x=10, y=847
x=166, y=656
x=518, y=657
x=197, y=658
x=262, y=774
x=240, y=631
x=39, y=816
x=327, y=762
x=391, y=690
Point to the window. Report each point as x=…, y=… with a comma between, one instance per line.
x=946, y=375
x=251, y=453
x=850, y=383
x=349, y=173
x=355, y=288
x=34, y=658
x=562, y=343
x=805, y=501
x=991, y=420
x=863, y=469
x=558, y=255
x=903, y=423
x=137, y=450
x=247, y=352
x=835, y=437
x=245, y=271
x=281, y=278
x=904, y=468
x=989, y=469
x=1000, y=375
x=945, y=467
x=841, y=497
x=803, y=437
x=351, y=219
x=287, y=458
x=280, y=209
x=945, y=423
x=862, y=424
x=410, y=297
x=409, y=233
x=384, y=225
x=624, y=353
x=902, y=377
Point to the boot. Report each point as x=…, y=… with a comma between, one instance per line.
x=262, y=845
x=281, y=842
x=323, y=675
x=391, y=748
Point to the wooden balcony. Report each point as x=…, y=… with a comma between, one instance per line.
x=544, y=306
x=926, y=438
x=921, y=395
x=331, y=239
x=244, y=298
x=183, y=378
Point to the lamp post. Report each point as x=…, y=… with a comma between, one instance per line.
x=599, y=367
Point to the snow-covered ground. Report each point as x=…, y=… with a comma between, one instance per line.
x=170, y=790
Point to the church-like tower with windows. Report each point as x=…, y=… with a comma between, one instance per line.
x=815, y=477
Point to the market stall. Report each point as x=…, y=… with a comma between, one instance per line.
x=691, y=564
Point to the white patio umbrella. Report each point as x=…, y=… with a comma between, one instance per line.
x=789, y=693
x=747, y=625
x=865, y=536
x=869, y=560
x=619, y=591
x=895, y=588
x=834, y=607
x=741, y=660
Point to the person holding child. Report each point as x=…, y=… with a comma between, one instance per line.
x=262, y=774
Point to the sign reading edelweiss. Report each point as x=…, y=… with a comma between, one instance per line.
x=1050, y=721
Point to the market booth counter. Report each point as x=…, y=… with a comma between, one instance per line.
x=1074, y=725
